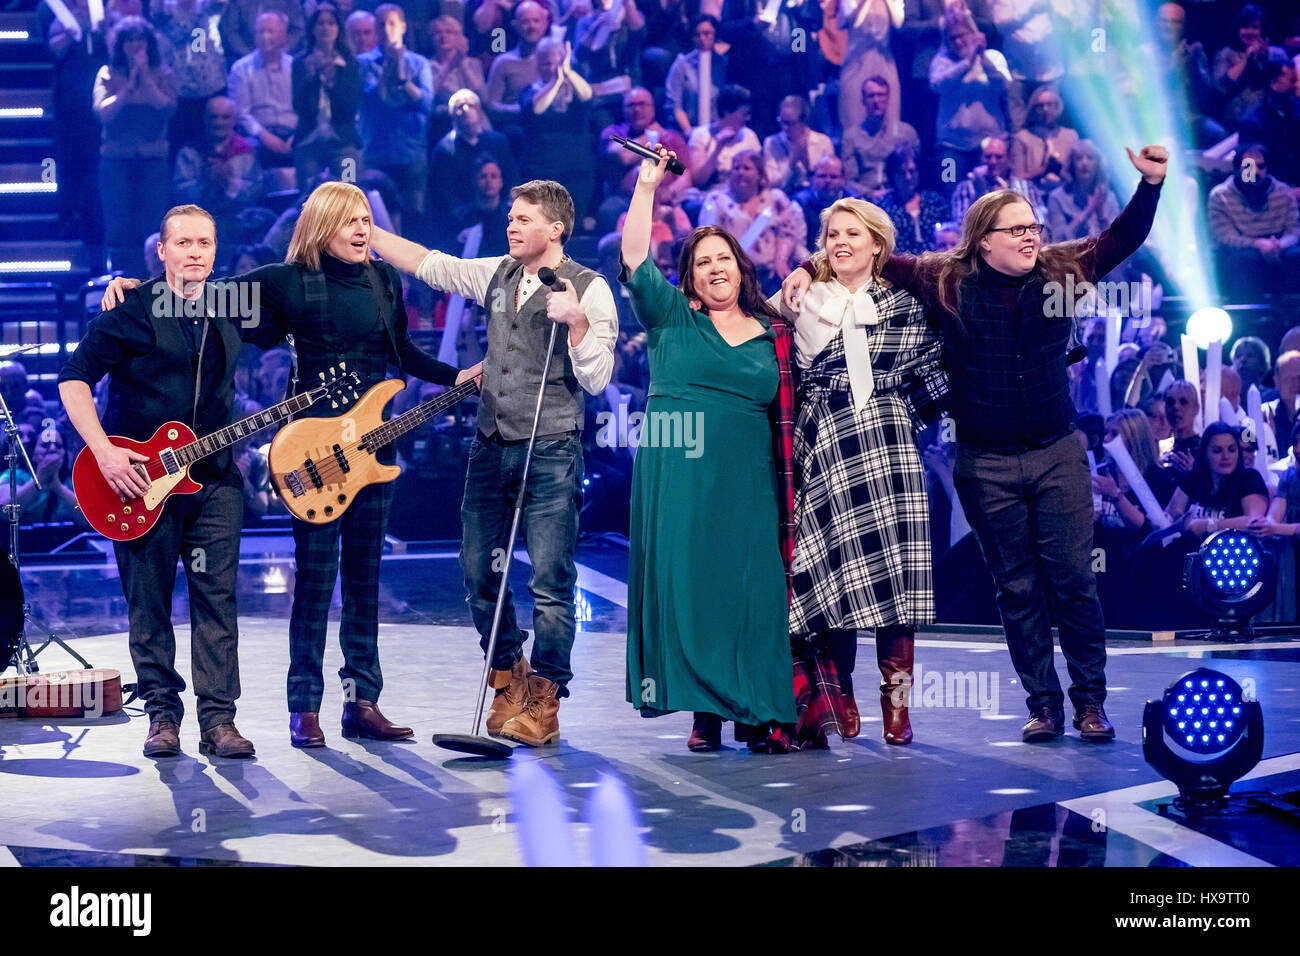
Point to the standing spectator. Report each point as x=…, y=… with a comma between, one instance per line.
x=769, y=227
x=396, y=102
x=239, y=24
x=1084, y=205
x=607, y=43
x=326, y=93
x=78, y=50
x=261, y=84
x=453, y=69
x=452, y=168
x=915, y=211
x=134, y=97
x=1182, y=405
x=701, y=68
x=971, y=82
x=221, y=175
x=486, y=209
x=1153, y=406
x=714, y=146
x=1239, y=68
x=866, y=145
x=556, y=109
x=363, y=34
x=1039, y=151
x=791, y=154
x=994, y=173
x=1280, y=413
x=1032, y=47
x=1176, y=57
x=1274, y=122
x=622, y=165
x=198, y=69
x=826, y=188
x=1255, y=225
x=515, y=70
x=869, y=24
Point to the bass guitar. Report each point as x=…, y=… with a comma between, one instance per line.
x=319, y=464
x=171, y=451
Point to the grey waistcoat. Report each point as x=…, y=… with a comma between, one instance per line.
x=512, y=370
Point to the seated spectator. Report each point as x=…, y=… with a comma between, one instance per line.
x=133, y=99
x=701, y=68
x=1255, y=225
x=622, y=165
x=712, y=147
x=54, y=500
x=866, y=145
x=1120, y=505
x=454, y=164
x=827, y=186
x=768, y=225
x=971, y=82
x=198, y=69
x=239, y=24
x=453, y=69
x=556, y=110
x=1279, y=413
x=488, y=209
x=396, y=102
x=326, y=94
x=915, y=211
x=1182, y=405
x=1239, y=68
x=1283, y=527
x=791, y=154
x=1253, y=361
x=516, y=69
x=261, y=84
x=222, y=174
x=1039, y=151
x=362, y=32
x=993, y=173
x=1274, y=122
x=1084, y=204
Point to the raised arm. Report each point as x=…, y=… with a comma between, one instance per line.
x=402, y=254
x=640, y=212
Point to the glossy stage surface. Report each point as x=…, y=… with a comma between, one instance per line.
x=966, y=793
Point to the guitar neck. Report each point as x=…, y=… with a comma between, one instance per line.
x=394, y=428
x=225, y=437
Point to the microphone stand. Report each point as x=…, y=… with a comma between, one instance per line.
x=474, y=742
x=24, y=658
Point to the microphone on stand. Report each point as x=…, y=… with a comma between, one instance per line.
x=675, y=166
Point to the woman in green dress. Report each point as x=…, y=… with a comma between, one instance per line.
x=707, y=606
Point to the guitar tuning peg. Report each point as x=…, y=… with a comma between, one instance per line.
x=334, y=404
x=322, y=376
x=343, y=365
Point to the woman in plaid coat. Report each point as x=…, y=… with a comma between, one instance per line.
x=869, y=377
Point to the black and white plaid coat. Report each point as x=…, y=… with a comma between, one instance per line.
x=862, y=540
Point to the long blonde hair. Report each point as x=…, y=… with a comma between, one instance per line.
x=326, y=211
x=874, y=219
x=1134, y=429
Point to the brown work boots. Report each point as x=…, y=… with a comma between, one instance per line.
x=538, y=723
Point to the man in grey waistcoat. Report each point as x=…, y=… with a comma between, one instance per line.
x=520, y=312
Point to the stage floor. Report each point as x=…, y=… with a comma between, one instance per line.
x=966, y=793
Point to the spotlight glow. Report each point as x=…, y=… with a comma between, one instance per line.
x=1208, y=325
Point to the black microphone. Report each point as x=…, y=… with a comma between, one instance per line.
x=675, y=166
x=1076, y=354
x=550, y=279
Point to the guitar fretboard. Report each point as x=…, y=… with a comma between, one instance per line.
x=394, y=428
x=211, y=444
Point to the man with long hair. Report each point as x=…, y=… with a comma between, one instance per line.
x=1021, y=475
x=527, y=701
x=149, y=343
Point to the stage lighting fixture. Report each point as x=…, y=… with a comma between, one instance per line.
x=1202, y=736
x=1208, y=325
x=1233, y=577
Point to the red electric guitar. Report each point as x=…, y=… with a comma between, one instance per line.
x=171, y=450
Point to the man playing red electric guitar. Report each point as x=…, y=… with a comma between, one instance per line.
x=170, y=357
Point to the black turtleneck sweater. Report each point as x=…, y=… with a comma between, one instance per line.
x=1005, y=353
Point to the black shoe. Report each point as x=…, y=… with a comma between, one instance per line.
x=1092, y=724
x=1045, y=724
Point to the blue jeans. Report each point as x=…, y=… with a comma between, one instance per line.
x=550, y=527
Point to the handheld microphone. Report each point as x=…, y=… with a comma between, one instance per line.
x=549, y=279
x=675, y=166
x=1076, y=354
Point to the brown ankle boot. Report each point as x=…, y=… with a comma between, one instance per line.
x=894, y=653
x=539, y=722
x=511, y=691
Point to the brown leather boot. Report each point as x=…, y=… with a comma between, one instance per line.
x=362, y=719
x=539, y=723
x=511, y=691
x=304, y=730
x=223, y=740
x=894, y=653
x=163, y=740
x=706, y=733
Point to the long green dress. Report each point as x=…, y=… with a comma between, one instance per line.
x=707, y=608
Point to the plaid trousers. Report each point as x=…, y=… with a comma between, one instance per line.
x=359, y=535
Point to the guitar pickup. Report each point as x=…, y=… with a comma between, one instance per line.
x=169, y=462
x=342, y=459
x=312, y=473
x=293, y=481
